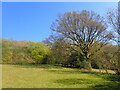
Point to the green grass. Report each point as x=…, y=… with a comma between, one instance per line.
x=49, y=76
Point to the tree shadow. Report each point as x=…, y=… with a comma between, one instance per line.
x=113, y=78
x=89, y=72
x=65, y=71
x=75, y=71
x=112, y=85
x=109, y=81
x=73, y=81
x=114, y=82
x=91, y=83
x=45, y=66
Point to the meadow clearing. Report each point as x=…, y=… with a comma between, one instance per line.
x=49, y=76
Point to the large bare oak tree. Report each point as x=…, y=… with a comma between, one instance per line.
x=83, y=30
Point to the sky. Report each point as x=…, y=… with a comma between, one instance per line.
x=31, y=21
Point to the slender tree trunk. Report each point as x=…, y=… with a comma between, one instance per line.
x=100, y=70
x=118, y=71
x=106, y=70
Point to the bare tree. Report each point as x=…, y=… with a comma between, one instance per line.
x=83, y=30
x=113, y=21
x=113, y=17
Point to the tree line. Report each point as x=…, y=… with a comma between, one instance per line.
x=27, y=52
x=79, y=39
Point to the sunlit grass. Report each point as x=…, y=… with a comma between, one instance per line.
x=49, y=76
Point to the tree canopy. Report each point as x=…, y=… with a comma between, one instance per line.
x=83, y=30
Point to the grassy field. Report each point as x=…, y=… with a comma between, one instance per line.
x=47, y=76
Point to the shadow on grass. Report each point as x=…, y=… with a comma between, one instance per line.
x=109, y=81
x=74, y=71
x=110, y=85
x=91, y=83
x=113, y=78
x=65, y=71
x=74, y=81
x=45, y=66
x=114, y=82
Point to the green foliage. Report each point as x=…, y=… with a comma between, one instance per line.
x=24, y=52
x=6, y=51
x=106, y=58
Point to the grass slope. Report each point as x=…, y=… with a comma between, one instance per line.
x=47, y=76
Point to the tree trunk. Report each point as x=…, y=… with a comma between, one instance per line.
x=106, y=70
x=85, y=62
x=87, y=65
x=88, y=62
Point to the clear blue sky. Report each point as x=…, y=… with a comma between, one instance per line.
x=31, y=21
